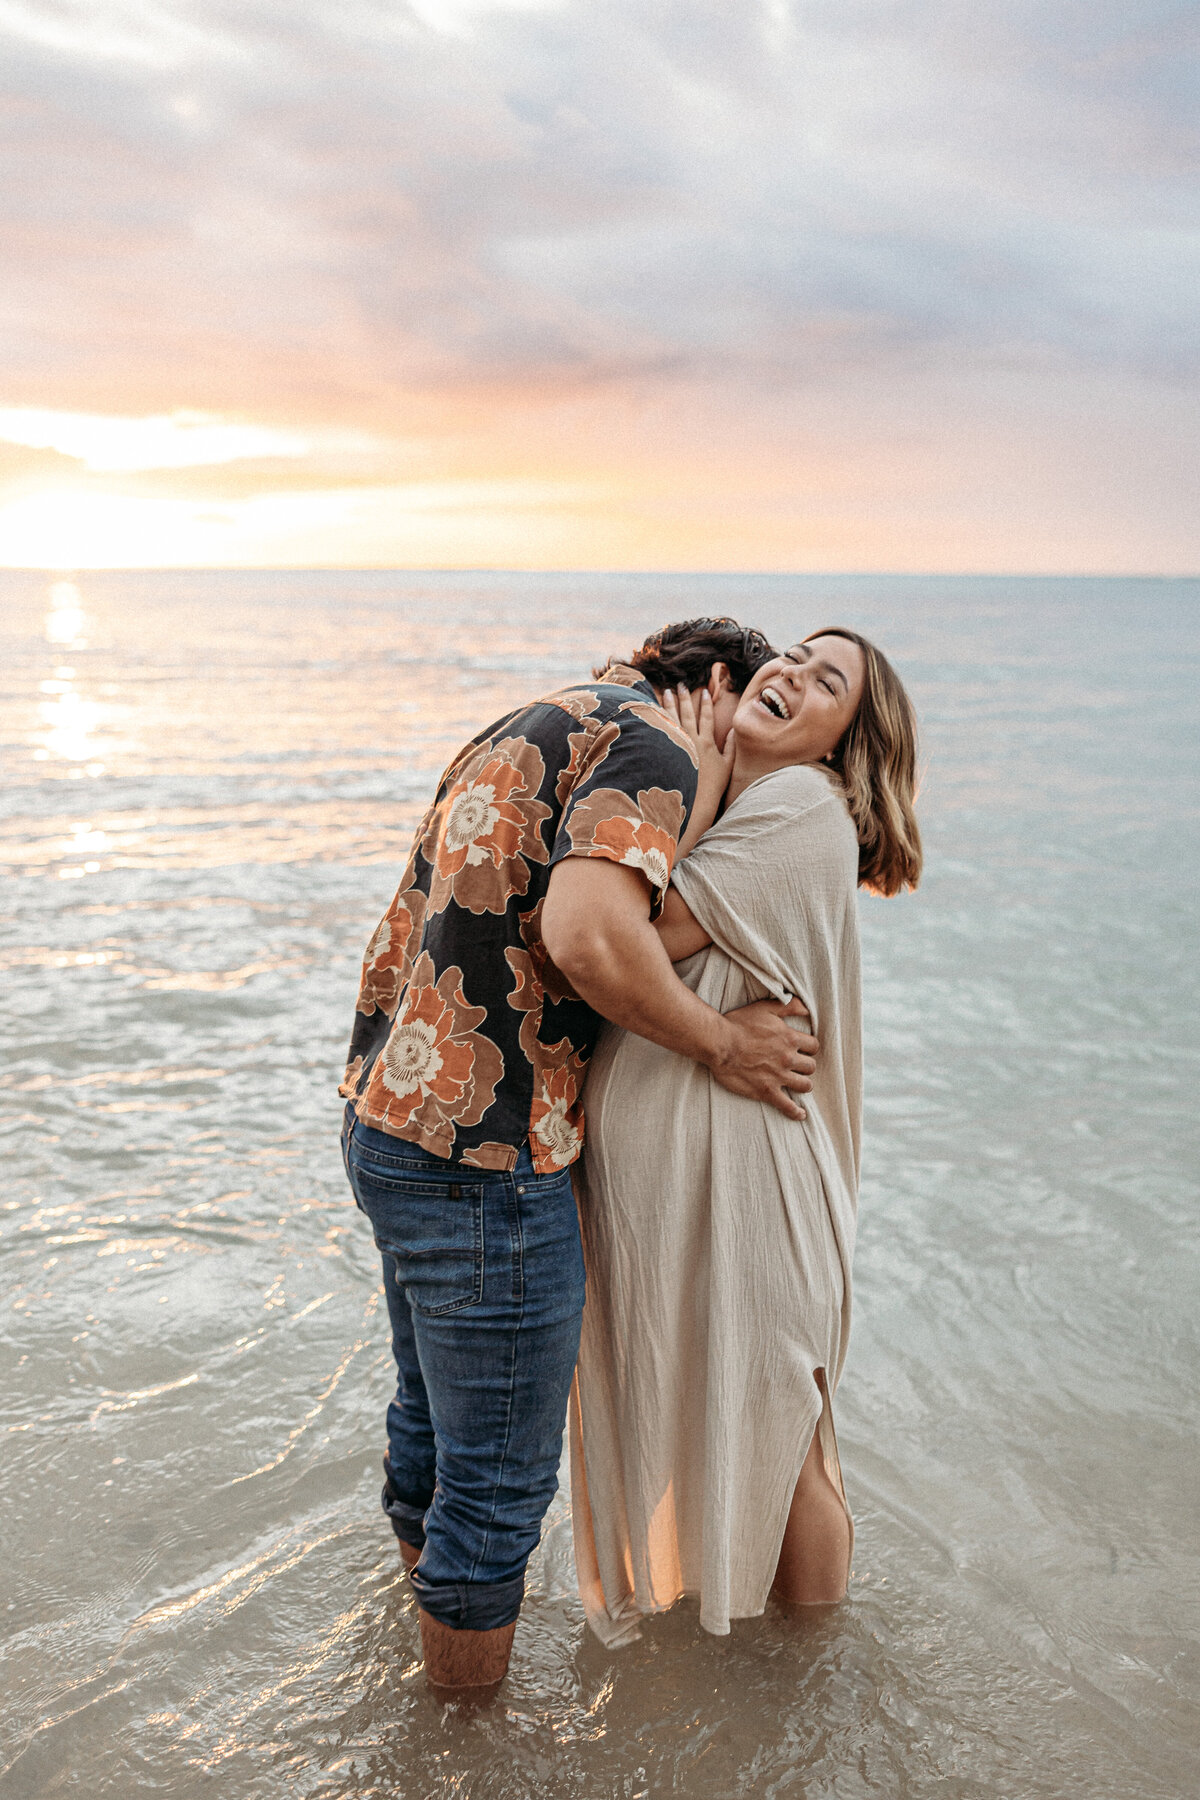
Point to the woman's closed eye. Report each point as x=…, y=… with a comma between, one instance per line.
x=800, y=662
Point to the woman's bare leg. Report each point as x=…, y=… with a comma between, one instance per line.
x=814, y=1563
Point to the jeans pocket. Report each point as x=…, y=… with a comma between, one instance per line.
x=432, y=1230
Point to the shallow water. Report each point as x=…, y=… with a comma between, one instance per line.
x=208, y=785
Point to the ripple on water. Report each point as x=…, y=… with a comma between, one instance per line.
x=204, y=826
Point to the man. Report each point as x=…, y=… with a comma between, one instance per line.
x=524, y=918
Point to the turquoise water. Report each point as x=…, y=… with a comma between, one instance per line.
x=208, y=783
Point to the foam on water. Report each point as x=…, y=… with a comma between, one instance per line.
x=208, y=786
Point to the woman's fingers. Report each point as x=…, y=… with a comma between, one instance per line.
x=694, y=714
x=687, y=711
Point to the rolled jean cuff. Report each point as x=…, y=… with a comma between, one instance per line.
x=408, y=1522
x=470, y=1605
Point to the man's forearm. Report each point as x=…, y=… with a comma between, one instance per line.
x=596, y=928
x=628, y=979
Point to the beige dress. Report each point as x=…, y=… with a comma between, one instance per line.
x=718, y=1237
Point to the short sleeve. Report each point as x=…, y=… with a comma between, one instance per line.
x=775, y=869
x=634, y=796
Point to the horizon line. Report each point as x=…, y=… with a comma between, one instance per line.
x=71, y=573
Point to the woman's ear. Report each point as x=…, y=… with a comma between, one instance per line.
x=718, y=680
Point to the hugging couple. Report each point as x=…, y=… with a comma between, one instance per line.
x=648, y=879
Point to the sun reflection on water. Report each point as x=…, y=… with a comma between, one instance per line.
x=72, y=723
x=66, y=620
x=70, y=720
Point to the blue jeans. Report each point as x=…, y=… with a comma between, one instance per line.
x=483, y=1274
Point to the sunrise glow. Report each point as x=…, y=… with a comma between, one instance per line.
x=512, y=283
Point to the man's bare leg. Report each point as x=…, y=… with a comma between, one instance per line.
x=814, y=1562
x=464, y=1665
x=460, y=1665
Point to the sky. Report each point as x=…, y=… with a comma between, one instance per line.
x=613, y=284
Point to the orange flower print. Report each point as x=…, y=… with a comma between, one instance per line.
x=576, y=701
x=641, y=847
x=543, y=975
x=490, y=1156
x=620, y=674
x=435, y=1072
x=388, y=961
x=556, y=1122
x=661, y=720
x=348, y=1086
x=588, y=750
x=527, y=995
x=556, y=1119
x=646, y=836
x=485, y=829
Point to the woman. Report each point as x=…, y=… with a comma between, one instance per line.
x=718, y=1234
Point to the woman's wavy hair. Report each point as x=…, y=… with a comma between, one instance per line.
x=877, y=763
x=685, y=652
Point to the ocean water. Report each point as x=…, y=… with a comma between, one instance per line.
x=208, y=783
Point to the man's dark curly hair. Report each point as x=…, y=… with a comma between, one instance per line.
x=686, y=652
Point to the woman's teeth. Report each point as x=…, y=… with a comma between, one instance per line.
x=774, y=702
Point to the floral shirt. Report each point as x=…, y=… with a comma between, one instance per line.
x=467, y=1040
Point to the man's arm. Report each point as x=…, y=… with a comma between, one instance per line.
x=679, y=930
x=596, y=928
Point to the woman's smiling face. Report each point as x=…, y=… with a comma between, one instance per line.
x=797, y=708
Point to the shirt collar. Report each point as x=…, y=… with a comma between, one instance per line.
x=619, y=674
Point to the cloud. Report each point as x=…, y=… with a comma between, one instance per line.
x=182, y=440
x=453, y=226
x=562, y=194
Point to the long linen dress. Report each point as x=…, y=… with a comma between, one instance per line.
x=718, y=1237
